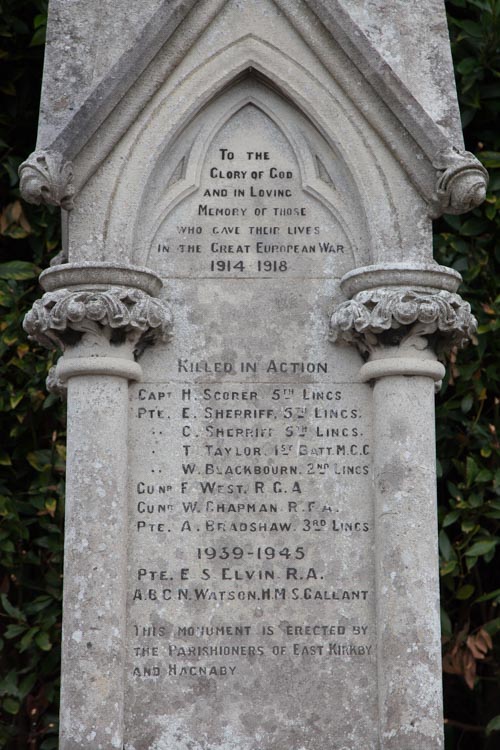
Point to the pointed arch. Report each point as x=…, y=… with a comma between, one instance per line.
x=188, y=182
x=151, y=138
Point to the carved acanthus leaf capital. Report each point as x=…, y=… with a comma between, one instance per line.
x=403, y=317
x=61, y=318
x=461, y=184
x=46, y=177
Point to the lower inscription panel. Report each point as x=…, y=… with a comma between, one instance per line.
x=251, y=574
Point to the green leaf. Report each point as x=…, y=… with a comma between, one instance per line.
x=450, y=518
x=471, y=470
x=10, y=609
x=11, y=705
x=42, y=641
x=484, y=475
x=445, y=546
x=493, y=725
x=27, y=639
x=40, y=459
x=467, y=403
x=467, y=66
x=446, y=627
x=5, y=459
x=448, y=567
x=465, y=592
x=38, y=604
x=40, y=20
x=471, y=28
x=12, y=631
x=474, y=227
x=8, y=686
x=489, y=596
x=481, y=548
x=488, y=557
x=471, y=563
x=26, y=684
x=38, y=37
x=490, y=159
x=18, y=270
x=455, y=222
x=439, y=469
x=493, y=626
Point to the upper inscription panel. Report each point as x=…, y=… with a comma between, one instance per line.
x=278, y=199
x=251, y=211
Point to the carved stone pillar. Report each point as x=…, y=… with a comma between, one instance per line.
x=102, y=316
x=401, y=318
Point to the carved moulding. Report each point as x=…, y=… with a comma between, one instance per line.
x=60, y=318
x=461, y=183
x=54, y=384
x=98, y=319
x=47, y=177
x=405, y=318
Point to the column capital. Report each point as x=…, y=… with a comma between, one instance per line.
x=403, y=317
x=102, y=318
x=63, y=317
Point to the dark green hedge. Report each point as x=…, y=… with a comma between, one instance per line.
x=32, y=435
x=468, y=406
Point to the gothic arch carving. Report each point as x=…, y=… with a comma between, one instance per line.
x=153, y=138
x=330, y=186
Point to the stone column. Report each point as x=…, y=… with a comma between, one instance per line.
x=101, y=315
x=400, y=327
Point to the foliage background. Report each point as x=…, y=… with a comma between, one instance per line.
x=32, y=434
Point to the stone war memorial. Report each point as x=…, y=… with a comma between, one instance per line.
x=252, y=329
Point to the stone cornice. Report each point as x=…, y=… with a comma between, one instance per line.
x=61, y=318
x=47, y=177
x=100, y=275
x=409, y=274
x=403, y=317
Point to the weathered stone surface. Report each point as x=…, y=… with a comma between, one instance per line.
x=252, y=558
x=47, y=178
x=414, y=41
x=403, y=315
x=86, y=39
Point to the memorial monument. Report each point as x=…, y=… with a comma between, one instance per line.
x=252, y=327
